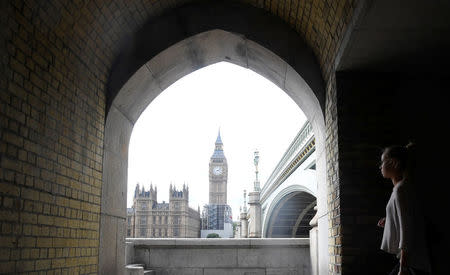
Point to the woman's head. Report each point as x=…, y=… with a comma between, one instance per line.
x=396, y=161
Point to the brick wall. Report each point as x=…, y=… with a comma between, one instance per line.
x=52, y=113
x=320, y=23
x=333, y=199
x=55, y=61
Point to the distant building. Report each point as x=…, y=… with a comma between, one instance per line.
x=217, y=215
x=150, y=219
x=218, y=174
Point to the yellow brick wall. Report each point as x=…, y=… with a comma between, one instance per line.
x=52, y=113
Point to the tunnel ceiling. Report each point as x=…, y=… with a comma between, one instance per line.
x=398, y=35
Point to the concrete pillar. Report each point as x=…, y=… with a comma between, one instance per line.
x=113, y=214
x=129, y=253
x=254, y=225
x=314, y=244
x=244, y=227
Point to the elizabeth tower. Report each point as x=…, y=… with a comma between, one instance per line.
x=218, y=175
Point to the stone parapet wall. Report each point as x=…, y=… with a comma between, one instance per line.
x=220, y=256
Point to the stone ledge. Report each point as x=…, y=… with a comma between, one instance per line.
x=225, y=243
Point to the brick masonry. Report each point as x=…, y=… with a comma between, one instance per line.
x=55, y=61
x=52, y=114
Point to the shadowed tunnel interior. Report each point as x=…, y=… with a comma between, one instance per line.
x=291, y=216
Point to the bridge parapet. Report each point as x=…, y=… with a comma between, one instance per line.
x=222, y=256
x=298, y=151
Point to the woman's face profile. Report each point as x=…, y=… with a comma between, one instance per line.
x=385, y=167
x=388, y=167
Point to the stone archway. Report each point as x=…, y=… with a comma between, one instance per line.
x=282, y=42
x=150, y=80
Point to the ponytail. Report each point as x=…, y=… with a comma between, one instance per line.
x=410, y=165
x=411, y=146
x=405, y=158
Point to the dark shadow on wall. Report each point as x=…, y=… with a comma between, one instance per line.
x=376, y=110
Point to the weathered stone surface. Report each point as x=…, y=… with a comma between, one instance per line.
x=275, y=257
x=192, y=257
x=114, y=193
x=118, y=130
x=107, y=240
x=234, y=271
x=120, y=244
x=288, y=271
x=137, y=93
x=134, y=270
x=314, y=250
x=297, y=88
x=142, y=256
x=176, y=271
x=282, y=242
x=219, y=45
x=237, y=256
x=266, y=63
x=129, y=253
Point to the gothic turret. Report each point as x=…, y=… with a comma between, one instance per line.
x=145, y=199
x=179, y=194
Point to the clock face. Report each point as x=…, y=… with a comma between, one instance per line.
x=217, y=170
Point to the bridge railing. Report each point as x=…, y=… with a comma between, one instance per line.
x=220, y=256
x=299, y=149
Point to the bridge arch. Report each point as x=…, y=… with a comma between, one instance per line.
x=288, y=193
x=290, y=65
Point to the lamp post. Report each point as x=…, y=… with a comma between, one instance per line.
x=256, y=162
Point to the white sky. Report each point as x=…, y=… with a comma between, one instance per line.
x=174, y=138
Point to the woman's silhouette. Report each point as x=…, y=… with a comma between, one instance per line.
x=404, y=227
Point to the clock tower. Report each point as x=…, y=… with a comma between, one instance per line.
x=218, y=175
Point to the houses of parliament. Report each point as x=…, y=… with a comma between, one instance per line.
x=148, y=218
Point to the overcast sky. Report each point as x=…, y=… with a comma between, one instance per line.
x=174, y=138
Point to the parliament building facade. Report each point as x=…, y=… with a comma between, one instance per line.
x=149, y=219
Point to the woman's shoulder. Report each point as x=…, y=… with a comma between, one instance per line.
x=405, y=189
x=400, y=186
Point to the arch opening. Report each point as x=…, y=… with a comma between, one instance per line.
x=160, y=72
x=220, y=97
x=291, y=215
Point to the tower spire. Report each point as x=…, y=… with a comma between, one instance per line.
x=218, y=148
x=219, y=139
